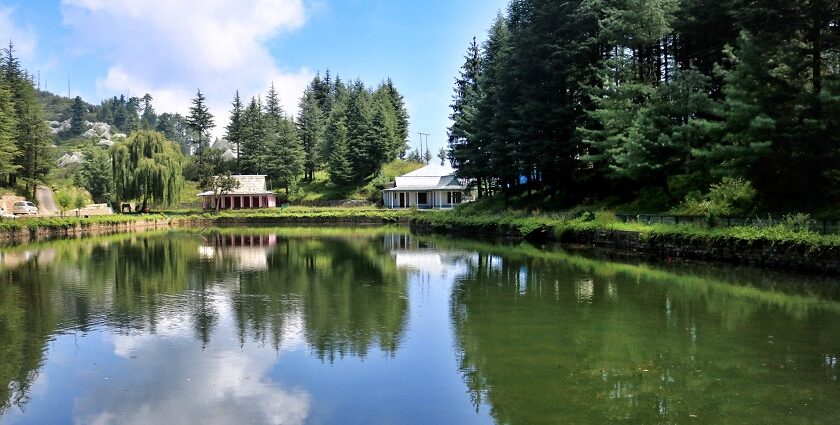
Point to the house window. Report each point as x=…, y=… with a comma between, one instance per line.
x=423, y=198
x=453, y=197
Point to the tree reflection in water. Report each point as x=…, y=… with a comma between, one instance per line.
x=339, y=293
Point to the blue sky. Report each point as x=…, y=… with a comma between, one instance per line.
x=170, y=48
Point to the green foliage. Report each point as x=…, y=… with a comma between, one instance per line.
x=253, y=155
x=286, y=154
x=64, y=198
x=77, y=119
x=596, y=100
x=522, y=224
x=798, y=222
x=311, y=128
x=149, y=168
x=200, y=120
x=80, y=199
x=97, y=176
x=32, y=136
x=8, y=132
x=730, y=197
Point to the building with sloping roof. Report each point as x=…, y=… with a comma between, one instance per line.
x=250, y=194
x=433, y=186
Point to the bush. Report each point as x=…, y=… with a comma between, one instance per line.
x=732, y=196
x=64, y=198
x=797, y=222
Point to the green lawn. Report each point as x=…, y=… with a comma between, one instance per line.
x=320, y=189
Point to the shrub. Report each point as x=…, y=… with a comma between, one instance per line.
x=64, y=199
x=797, y=222
x=732, y=196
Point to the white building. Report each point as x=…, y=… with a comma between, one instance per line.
x=433, y=186
x=251, y=193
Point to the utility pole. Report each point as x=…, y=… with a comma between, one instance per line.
x=423, y=152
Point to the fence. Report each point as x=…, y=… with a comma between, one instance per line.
x=827, y=226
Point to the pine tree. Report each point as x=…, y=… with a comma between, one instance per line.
x=234, y=127
x=132, y=115
x=200, y=120
x=338, y=163
x=32, y=134
x=77, y=119
x=8, y=133
x=97, y=175
x=465, y=147
x=148, y=120
x=253, y=155
x=286, y=154
x=272, y=104
x=311, y=128
x=364, y=154
x=398, y=144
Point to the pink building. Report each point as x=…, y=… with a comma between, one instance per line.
x=251, y=193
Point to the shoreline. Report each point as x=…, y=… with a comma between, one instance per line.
x=813, y=254
x=770, y=248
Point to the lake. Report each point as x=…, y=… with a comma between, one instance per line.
x=381, y=326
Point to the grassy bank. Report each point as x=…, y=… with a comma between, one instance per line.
x=558, y=227
x=25, y=226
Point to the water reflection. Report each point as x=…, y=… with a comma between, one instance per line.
x=374, y=325
x=605, y=342
x=150, y=295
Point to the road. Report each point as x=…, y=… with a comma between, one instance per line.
x=45, y=200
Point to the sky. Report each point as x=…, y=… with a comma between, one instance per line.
x=171, y=48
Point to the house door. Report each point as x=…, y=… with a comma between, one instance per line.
x=402, y=200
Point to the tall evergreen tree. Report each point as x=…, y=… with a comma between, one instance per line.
x=32, y=134
x=286, y=154
x=366, y=154
x=148, y=120
x=77, y=118
x=311, y=127
x=200, y=120
x=337, y=138
x=132, y=115
x=253, y=155
x=234, y=127
x=465, y=147
x=8, y=133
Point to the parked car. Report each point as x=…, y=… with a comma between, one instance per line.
x=24, y=208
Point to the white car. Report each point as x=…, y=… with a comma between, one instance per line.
x=24, y=208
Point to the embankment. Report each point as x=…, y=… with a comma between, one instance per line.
x=41, y=228
x=771, y=247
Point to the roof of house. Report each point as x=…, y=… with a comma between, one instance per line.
x=430, y=177
x=248, y=185
x=432, y=170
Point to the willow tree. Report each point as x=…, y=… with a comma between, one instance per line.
x=148, y=167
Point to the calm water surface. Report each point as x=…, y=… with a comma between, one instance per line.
x=379, y=326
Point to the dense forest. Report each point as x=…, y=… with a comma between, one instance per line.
x=24, y=135
x=654, y=101
x=346, y=129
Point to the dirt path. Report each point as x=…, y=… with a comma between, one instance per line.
x=45, y=200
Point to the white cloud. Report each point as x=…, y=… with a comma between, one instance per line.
x=171, y=48
x=223, y=383
x=24, y=37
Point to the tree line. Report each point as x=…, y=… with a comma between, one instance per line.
x=25, y=138
x=620, y=99
x=348, y=130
